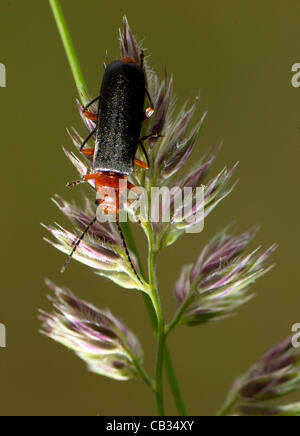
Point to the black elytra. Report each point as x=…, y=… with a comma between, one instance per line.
x=120, y=116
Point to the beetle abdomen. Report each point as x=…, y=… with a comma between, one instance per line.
x=121, y=107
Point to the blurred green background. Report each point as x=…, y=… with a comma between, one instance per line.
x=239, y=54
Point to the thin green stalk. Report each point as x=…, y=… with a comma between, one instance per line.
x=68, y=46
x=173, y=382
x=81, y=85
x=132, y=247
x=171, y=374
x=160, y=330
x=159, y=370
x=144, y=376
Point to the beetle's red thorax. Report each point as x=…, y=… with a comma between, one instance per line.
x=108, y=180
x=108, y=186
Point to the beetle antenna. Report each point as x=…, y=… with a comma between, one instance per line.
x=142, y=58
x=76, y=182
x=127, y=251
x=77, y=244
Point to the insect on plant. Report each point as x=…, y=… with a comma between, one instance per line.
x=210, y=288
x=118, y=129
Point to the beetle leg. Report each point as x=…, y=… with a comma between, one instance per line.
x=91, y=176
x=152, y=136
x=141, y=164
x=87, y=139
x=90, y=115
x=150, y=110
x=88, y=151
x=90, y=103
x=134, y=188
x=148, y=113
x=144, y=150
x=149, y=98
